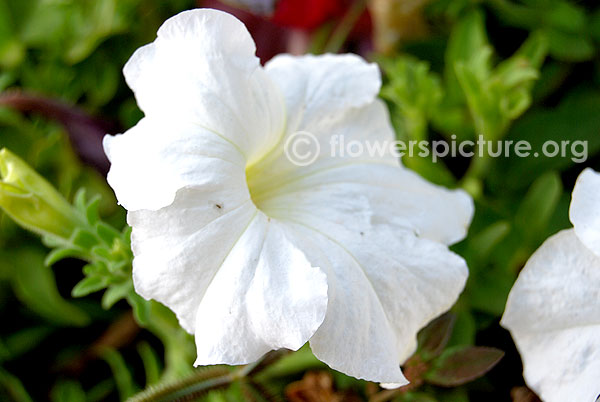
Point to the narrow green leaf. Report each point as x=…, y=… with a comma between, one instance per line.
x=87, y=285
x=415, y=397
x=79, y=200
x=292, y=364
x=482, y=243
x=35, y=286
x=468, y=39
x=84, y=239
x=102, y=252
x=570, y=47
x=24, y=340
x=60, y=254
x=121, y=373
x=141, y=308
x=67, y=391
x=97, y=268
x=539, y=204
x=151, y=361
x=101, y=391
x=91, y=210
x=115, y=293
x=13, y=386
x=107, y=233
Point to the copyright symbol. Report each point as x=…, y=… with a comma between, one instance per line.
x=302, y=148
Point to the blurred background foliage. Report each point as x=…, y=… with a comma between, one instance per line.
x=514, y=70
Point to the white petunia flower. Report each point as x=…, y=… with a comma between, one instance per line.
x=553, y=310
x=254, y=253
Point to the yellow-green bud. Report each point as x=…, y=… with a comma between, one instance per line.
x=33, y=202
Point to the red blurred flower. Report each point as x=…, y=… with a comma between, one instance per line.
x=308, y=14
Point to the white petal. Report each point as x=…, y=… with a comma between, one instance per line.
x=265, y=296
x=229, y=274
x=554, y=317
x=366, y=125
x=393, y=195
x=322, y=86
x=202, y=69
x=154, y=159
x=585, y=209
x=178, y=249
x=384, y=285
x=328, y=95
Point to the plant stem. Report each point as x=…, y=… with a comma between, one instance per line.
x=341, y=32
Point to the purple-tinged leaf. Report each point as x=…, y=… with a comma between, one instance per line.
x=85, y=132
x=435, y=336
x=523, y=394
x=462, y=364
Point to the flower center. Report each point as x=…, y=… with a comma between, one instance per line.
x=265, y=176
x=255, y=178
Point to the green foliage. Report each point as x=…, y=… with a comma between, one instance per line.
x=35, y=286
x=12, y=388
x=512, y=70
x=566, y=24
x=122, y=375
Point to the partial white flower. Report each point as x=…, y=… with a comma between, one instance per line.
x=254, y=253
x=553, y=310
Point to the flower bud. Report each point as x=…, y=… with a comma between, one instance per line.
x=32, y=202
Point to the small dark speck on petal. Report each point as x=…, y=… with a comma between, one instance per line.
x=219, y=206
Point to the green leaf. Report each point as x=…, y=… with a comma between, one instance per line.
x=102, y=253
x=467, y=40
x=13, y=387
x=115, y=293
x=576, y=120
x=67, y=391
x=35, y=286
x=464, y=329
x=141, y=308
x=415, y=397
x=415, y=91
x=537, y=207
x=87, y=285
x=83, y=239
x=79, y=201
x=570, y=47
x=101, y=391
x=595, y=25
x=460, y=365
x=107, y=233
x=23, y=341
x=565, y=24
x=487, y=289
x=97, y=268
x=151, y=361
x=121, y=373
x=91, y=211
x=61, y=253
x=482, y=243
x=12, y=52
x=292, y=364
